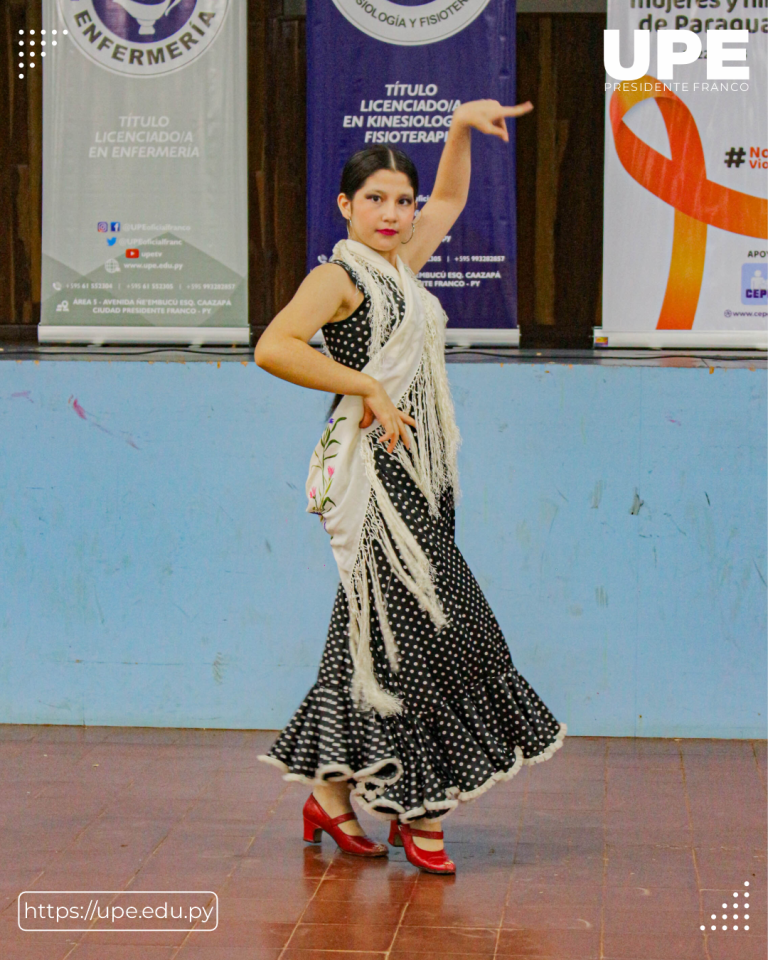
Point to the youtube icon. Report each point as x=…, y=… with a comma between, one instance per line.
x=131, y=253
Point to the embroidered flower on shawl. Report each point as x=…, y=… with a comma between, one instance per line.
x=321, y=500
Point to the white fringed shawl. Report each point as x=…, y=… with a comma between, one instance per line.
x=408, y=359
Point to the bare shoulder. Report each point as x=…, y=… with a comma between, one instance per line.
x=332, y=277
x=330, y=274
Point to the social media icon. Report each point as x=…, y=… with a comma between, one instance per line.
x=114, y=226
x=111, y=241
x=103, y=227
x=131, y=253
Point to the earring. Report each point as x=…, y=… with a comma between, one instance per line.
x=349, y=220
x=413, y=230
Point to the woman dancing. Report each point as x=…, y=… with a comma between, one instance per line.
x=417, y=705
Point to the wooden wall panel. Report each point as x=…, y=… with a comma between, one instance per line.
x=560, y=178
x=20, y=174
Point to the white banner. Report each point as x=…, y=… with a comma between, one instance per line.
x=145, y=232
x=685, y=259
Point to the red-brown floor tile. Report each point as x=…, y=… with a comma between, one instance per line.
x=643, y=747
x=343, y=936
x=545, y=893
x=292, y=889
x=708, y=749
x=474, y=941
x=54, y=948
x=367, y=887
x=650, y=866
x=292, y=954
x=246, y=908
x=556, y=874
x=475, y=914
x=718, y=867
x=18, y=731
x=549, y=944
x=553, y=916
x=347, y=866
x=198, y=947
x=455, y=890
x=156, y=938
x=736, y=945
x=263, y=866
x=662, y=946
x=123, y=951
x=251, y=812
x=679, y=919
x=352, y=912
x=636, y=899
x=256, y=934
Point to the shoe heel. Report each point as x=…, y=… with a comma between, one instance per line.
x=395, y=839
x=312, y=834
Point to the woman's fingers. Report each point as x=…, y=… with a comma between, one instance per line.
x=518, y=110
x=397, y=431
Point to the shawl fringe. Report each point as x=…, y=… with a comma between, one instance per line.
x=433, y=468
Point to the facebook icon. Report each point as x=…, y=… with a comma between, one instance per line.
x=114, y=227
x=754, y=285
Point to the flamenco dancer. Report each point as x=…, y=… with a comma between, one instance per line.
x=417, y=705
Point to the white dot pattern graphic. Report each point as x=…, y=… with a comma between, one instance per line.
x=470, y=719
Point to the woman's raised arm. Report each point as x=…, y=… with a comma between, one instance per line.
x=449, y=194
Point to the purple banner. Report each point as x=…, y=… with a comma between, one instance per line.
x=389, y=72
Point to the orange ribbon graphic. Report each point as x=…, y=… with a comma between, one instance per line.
x=681, y=182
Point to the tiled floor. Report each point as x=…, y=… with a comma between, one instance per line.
x=614, y=848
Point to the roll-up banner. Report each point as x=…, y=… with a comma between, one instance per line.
x=383, y=72
x=685, y=251
x=145, y=234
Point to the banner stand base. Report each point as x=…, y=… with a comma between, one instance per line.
x=187, y=336
x=683, y=339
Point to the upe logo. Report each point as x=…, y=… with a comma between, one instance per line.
x=143, y=38
x=412, y=25
x=719, y=50
x=754, y=285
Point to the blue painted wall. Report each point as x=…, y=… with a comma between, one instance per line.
x=158, y=568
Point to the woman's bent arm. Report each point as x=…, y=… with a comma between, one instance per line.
x=283, y=350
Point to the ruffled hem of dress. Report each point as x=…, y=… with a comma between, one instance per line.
x=454, y=796
x=369, y=784
x=344, y=771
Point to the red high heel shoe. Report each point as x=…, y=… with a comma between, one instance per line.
x=432, y=861
x=316, y=820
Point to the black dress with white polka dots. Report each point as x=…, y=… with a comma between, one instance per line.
x=469, y=718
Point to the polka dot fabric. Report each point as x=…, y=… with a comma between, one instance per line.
x=470, y=719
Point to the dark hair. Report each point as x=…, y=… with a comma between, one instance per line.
x=362, y=164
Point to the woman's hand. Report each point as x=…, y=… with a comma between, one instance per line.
x=377, y=405
x=488, y=116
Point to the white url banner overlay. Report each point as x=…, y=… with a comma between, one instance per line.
x=119, y=911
